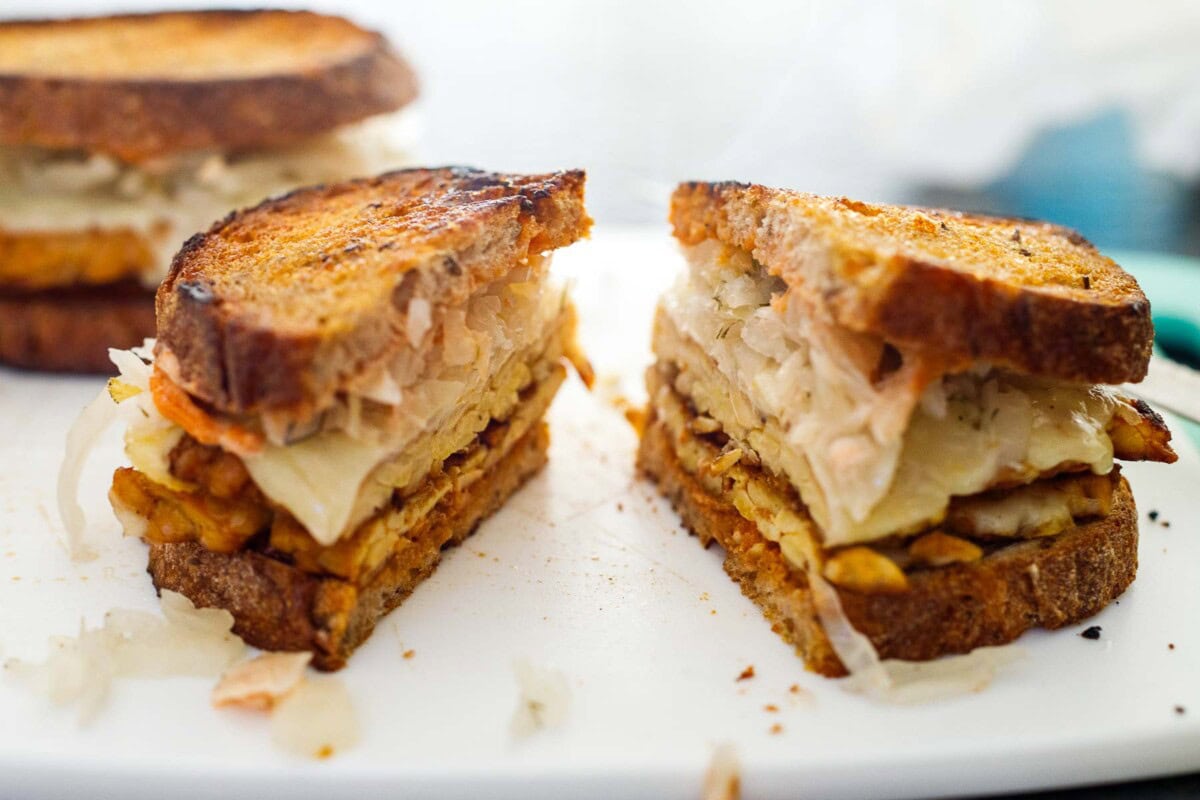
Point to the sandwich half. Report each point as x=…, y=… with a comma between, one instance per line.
x=120, y=136
x=346, y=380
x=897, y=422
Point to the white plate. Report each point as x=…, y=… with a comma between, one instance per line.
x=586, y=570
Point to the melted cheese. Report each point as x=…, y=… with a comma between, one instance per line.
x=869, y=458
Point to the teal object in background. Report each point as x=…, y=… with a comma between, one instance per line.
x=1086, y=175
x=1173, y=285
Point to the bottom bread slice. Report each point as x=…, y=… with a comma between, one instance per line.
x=277, y=606
x=1048, y=582
x=70, y=330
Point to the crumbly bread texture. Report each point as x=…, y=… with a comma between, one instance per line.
x=1050, y=582
x=1031, y=296
x=35, y=260
x=276, y=606
x=278, y=307
x=139, y=86
x=70, y=330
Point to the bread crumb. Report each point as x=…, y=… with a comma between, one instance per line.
x=1180, y=710
x=794, y=688
x=746, y=674
x=408, y=654
x=1170, y=645
x=1092, y=633
x=771, y=708
x=776, y=729
x=723, y=780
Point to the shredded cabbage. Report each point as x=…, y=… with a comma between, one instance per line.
x=86, y=431
x=80, y=670
x=892, y=680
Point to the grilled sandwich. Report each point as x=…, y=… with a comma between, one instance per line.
x=899, y=423
x=121, y=136
x=346, y=380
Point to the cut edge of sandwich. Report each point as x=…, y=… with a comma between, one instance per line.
x=345, y=514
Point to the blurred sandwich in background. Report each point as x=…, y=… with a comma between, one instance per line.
x=121, y=136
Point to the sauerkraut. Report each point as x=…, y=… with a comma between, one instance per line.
x=170, y=198
x=875, y=442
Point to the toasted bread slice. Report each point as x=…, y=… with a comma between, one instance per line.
x=1031, y=296
x=139, y=86
x=279, y=307
x=60, y=259
x=70, y=330
x=1049, y=582
x=277, y=606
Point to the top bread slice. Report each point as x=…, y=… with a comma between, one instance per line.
x=139, y=86
x=279, y=307
x=1030, y=296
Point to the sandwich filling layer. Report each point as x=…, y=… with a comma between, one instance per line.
x=224, y=511
x=971, y=527
x=875, y=442
x=468, y=366
x=167, y=199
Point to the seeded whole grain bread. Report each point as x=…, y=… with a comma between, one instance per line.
x=1050, y=582
x=71, y=329
x=1031, y=296
x=279, y=307
x=277, y=606
x=140, y=86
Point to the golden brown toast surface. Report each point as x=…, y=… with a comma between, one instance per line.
x=144, y=85
x=277, y=306
x=1031, y=296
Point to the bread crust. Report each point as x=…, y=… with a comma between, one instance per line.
x=63, y=259
x=1034, y=297
x=259, y=314
x=1049, y=582
x=277, y=606
x=137, y=114
x=70, y=330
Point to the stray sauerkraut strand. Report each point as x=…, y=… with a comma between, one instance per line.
x=79, y=671
x=723, y=779
x=316, y=720
x=261, y=682
x=87, y=429
x=902, y=682
x=542, y=701
x=85, y=433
